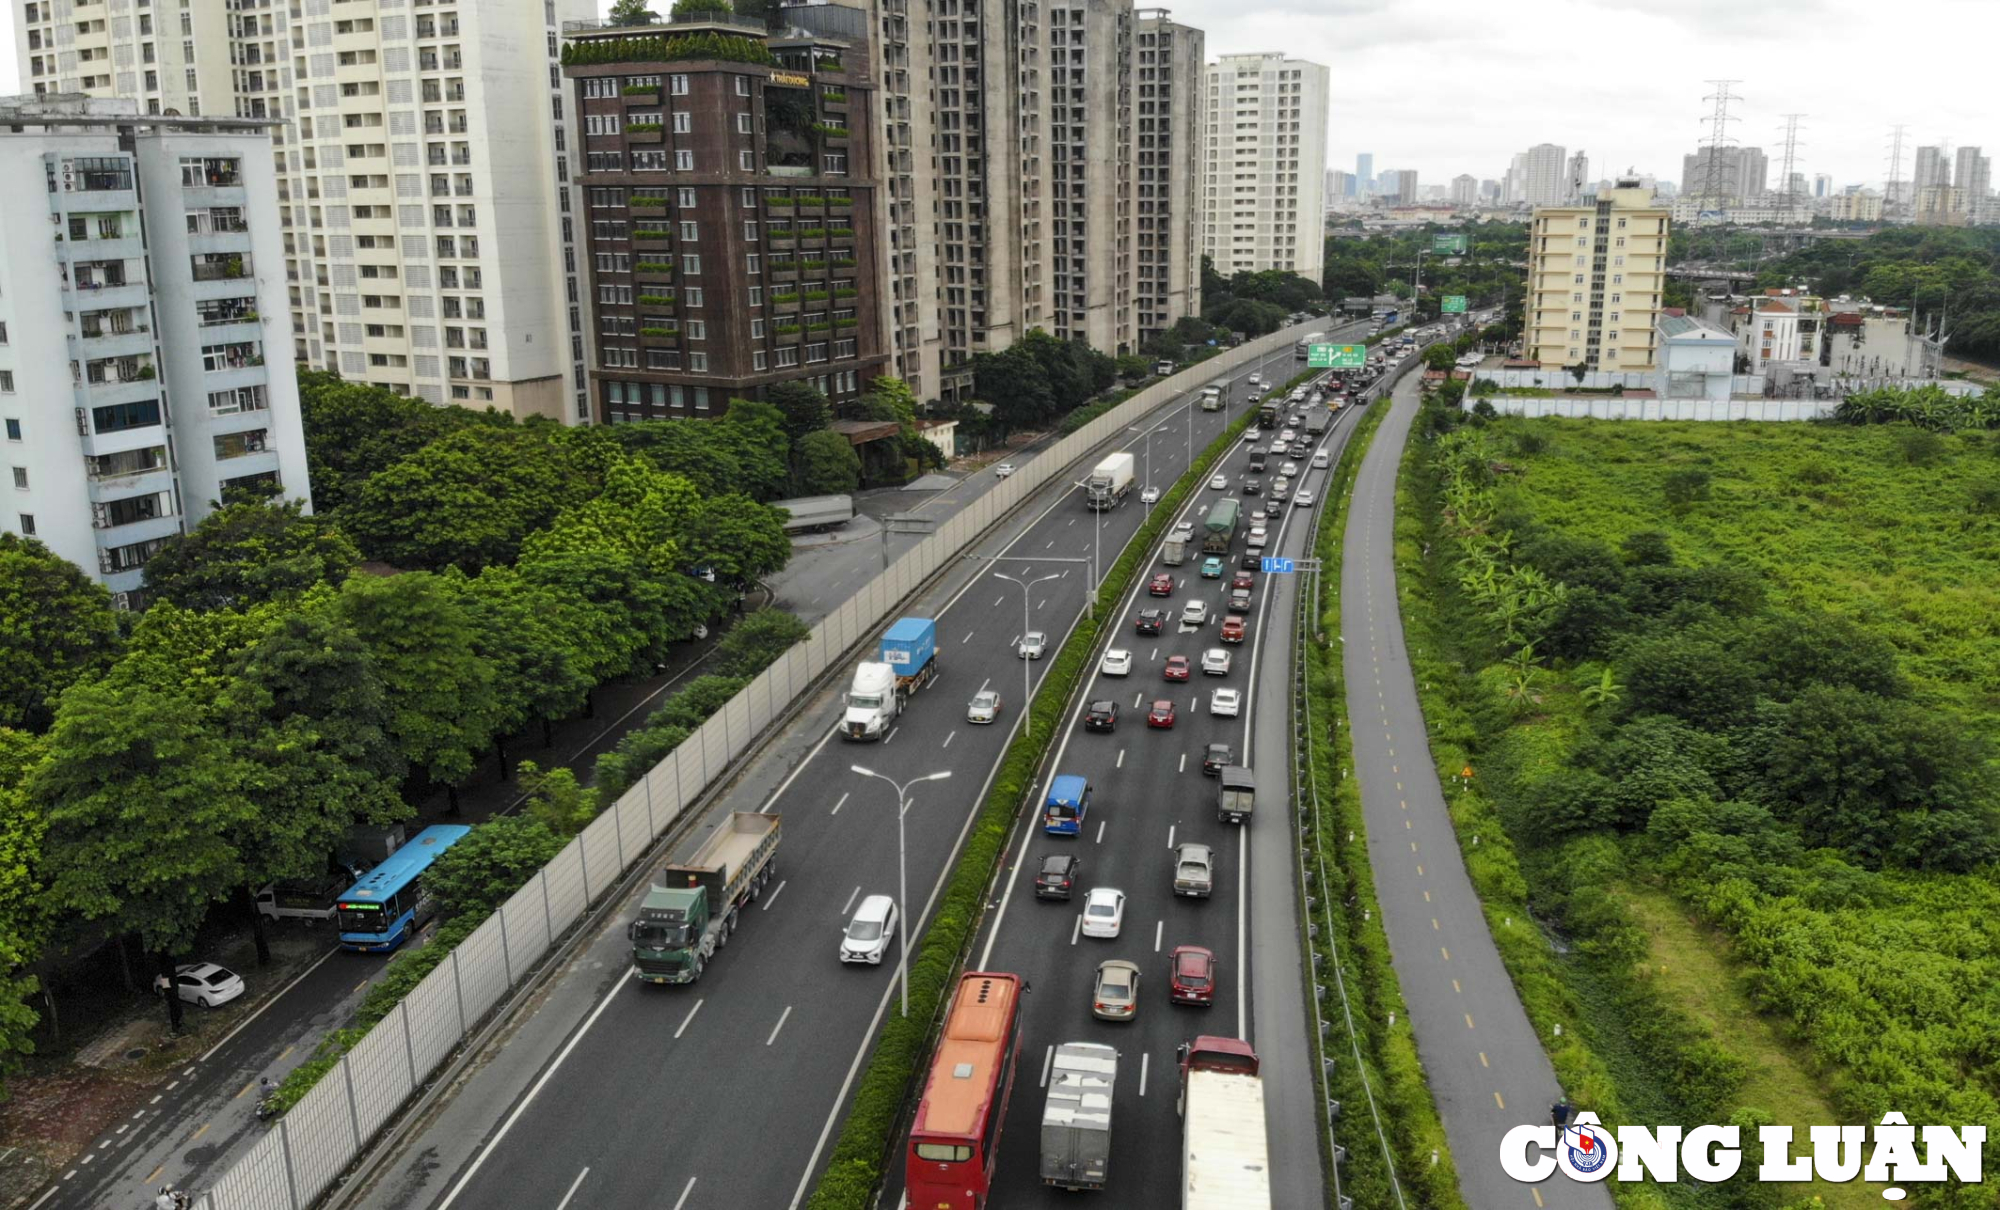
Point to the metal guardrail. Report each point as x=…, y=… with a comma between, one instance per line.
x=314, y=1143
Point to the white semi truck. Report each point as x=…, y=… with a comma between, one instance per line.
x=1109, y=480
x=1225, y=1160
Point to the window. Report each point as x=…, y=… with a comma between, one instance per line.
x=690, y=262
x=683, y=122
x=698, y=363
x=6, y=382
x=690, y=231
x=836, y=165
x=756, y=296
x=749, y=198
x=697, y=330
x=747, y=160
x=687, y=199
x=750, y=230
x=235, y=445
x=13, y=429
x=743, y=124
x=679, y=85
x=118, y=417
x=788, y=356
x=754, y=263
x=758, y=359
x=756, y=333
x=743, y=86
x=21, y=478
x=684, y=161
x=27, y=525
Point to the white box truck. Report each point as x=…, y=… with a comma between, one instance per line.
x=1108, y=481
x=1225, y=1160
x=1076, y=1120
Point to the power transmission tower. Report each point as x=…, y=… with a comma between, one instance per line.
x=1719, y=118
x=1893, y=189
x=1790, y=188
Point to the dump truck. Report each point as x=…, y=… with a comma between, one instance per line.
x=812, y=514
x=1317, y=423
x=1219, y=527
x=905, y=661
x=1173, y=552
x=1108, y=481
x=1076, y=1120
x=1235, y=794
x=693, y=907
x=1225, y=1160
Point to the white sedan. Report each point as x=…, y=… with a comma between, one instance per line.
x=1215, y=661
x=1033, y=644
x=1103, y=912
x=1219, y=483
x=1303, y=499
x=1253, y=433
x=1117, y=662
x=1150, y=495
x=1225, y=703
x=1289, y=469
x=207, y=984
x=1194, y=613
x=1003, y=470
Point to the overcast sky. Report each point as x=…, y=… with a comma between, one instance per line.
x=1451, y=86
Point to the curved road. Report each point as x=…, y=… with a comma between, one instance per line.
x=1484, y=1063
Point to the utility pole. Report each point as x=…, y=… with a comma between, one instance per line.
x=1892, y=189
x=1791, y=156
x=1719, y=118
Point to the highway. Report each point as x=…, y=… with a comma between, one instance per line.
x=725, y=1093
x=1485, y=1065
x=1150, y=794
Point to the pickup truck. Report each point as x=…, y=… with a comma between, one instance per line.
x=1194, y=870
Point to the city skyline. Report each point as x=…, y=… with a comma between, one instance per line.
x=1450, y=48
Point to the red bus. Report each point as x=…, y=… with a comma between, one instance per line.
x=955, y=1141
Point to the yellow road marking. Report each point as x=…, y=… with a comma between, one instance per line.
x=1496, y=1099
x=1468, y=1021
x=244, y=1089
x=197, y=1134
x=1482, y=1060
x=1445, y=952
x=1537, y=1193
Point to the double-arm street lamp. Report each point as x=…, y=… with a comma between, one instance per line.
x=902, y=871
x=1027, y=715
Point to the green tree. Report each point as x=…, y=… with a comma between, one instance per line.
x=490, y=863
x=1685, y=488
x=693, y=10
x=354, y=431
x=827, y=463
x=1692, y=676
x=24, y=916
x=468, y=499
x=894, y=395
x=637, y=12
x=697, y=450
x=756, y=642
x=545, y=650
x=442, y=704
x=243, y=554
x=1017, y=386
x=647, y=608
x=1439, y=357
x=555, y=797
x=754, y=433
x=739, y=539
x=1133, y=367
x=804, y=409
x=56, y=628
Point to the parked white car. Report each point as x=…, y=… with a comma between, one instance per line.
x=1116, y=662
x=1003, y=470
x=1225, y=703
x=867, y=936
x=1103, y=912
x=207, y=984
x=1215, y=661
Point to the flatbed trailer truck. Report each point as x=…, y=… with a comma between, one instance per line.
x=693, y=907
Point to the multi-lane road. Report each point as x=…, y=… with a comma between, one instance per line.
x=725, y=1093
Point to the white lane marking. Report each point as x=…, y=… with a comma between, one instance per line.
x=1042, y=604
x=967, y=639
x=890, y=736
x=948, y=738
x=773, y=897
x=1156, y=654
x=1000, y=602
x=685, y=1021
x=840, y=804
x=1015, y=643
x=1144, y=1061
x=171, y=1087
x=684, y=1193
x=1048, y=1061
x=1138, y=700
x=852, y=896
x=154, y=1101
x=1121, y=758
x=1159, y=935
x=782, y=1018
x=573, y=1188
x=533, y=1092
x=1100, y=831
x=1170, y=830
x=1183, y=767
x=1076, y=927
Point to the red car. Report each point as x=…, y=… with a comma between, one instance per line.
x=1177, y=668
x=1193, y=980
x=1232, y=629
x=1162, y=585
x=1161, y=715
x=1242, y=580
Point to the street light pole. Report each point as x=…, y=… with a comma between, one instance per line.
x=902, y=872
x=1096, y=547
x=1134, y=428
x=1027, y=700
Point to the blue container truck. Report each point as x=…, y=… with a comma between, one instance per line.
x=905, y=661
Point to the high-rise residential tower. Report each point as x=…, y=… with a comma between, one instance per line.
x=1740, y=175
x=1264, y=169
x=1364, y=173
x=422, y=171
x=1464, y=190
x=144, y=366
x=1595, y=277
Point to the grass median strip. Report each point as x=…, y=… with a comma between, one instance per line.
x=855, y=1168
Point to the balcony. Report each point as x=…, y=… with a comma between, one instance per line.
x=98, y=342
x=219, y=267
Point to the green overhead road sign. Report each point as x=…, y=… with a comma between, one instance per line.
x=1447, y=245
x=1336, y=357
x=1453, y=304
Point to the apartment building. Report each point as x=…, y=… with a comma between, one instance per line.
x=1595, y=275
x=1036, y=170
x=148, y=251
x=1264, y=167
x=1781, y=325
x=420, y=138
x=1740, y=176
x=730, y=212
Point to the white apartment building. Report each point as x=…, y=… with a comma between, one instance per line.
x=1543, y=178
x=420, y=140
x=1264, y=164
x=148, y=250
x=1595, y=275
x=1779, y=326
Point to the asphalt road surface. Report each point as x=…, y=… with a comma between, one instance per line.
x=1149, y=795
x=724, y=1093
x=1486, y=1066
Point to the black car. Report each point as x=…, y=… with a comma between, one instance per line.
x=1251, y=561
x=1058, y=874
x=1150, y=621
x=1102, y=716
x=1253, y=487
x=1215, y=758
x=1273, y=506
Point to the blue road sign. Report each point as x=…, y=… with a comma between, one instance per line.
x=1279, y=567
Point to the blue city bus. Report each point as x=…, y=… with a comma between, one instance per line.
x=382, y=910
x=1067, y=804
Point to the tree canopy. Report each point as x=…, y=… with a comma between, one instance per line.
x=56, y=628
x=244, y=554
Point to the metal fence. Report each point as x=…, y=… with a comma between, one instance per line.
x=298, y=1160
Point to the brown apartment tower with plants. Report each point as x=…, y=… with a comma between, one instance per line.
x=728, y=208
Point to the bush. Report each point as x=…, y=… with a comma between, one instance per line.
x=1684, y=488
x=1920, y=447
x=756, y=642
x=476, y=875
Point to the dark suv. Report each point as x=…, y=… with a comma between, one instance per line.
x=1150, y=621
x=1057, y=875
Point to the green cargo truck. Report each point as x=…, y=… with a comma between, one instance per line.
x=1219, y=527
x=693, y=908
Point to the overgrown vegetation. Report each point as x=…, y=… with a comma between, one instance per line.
x=854, y=1168
x=1770, y=697
x=1362, y=265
